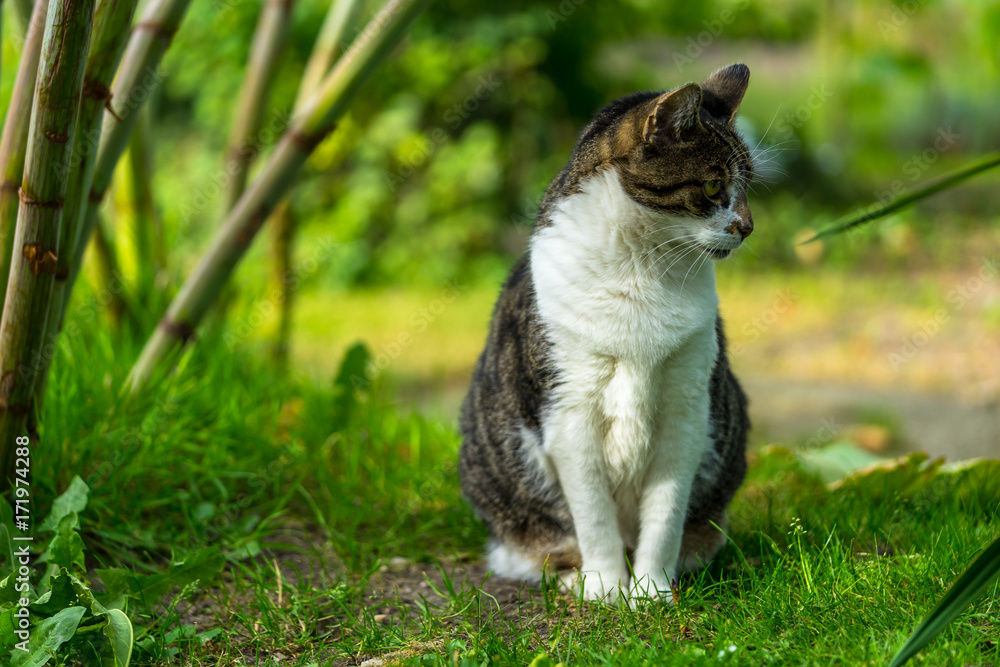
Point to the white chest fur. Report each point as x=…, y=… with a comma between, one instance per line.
x=630, y=310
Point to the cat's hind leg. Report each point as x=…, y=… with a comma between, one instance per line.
x=529, y=562
x=701, y=542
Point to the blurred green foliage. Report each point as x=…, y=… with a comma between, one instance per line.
x=436, y=171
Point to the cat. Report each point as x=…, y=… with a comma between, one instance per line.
x=603, y=433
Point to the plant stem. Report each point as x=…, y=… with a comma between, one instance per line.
x=111, y=21
x=265, y=54
x=328, y=46
x=308, y=129
x=284, y=231
x=32, y=275
x=134, y=82
x=15, y=137
x=949, y=180
x=147, y=229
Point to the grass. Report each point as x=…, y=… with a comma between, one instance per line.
x=345, y=535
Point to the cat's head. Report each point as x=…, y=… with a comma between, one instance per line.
x=678, y=153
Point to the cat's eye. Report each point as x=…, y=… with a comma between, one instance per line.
x=712, y=188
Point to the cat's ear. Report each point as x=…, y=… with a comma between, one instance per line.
x=723, y=91
x=673, y=113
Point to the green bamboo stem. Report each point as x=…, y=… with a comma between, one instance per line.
x=285, y=224
x=32, y=274
x=328, y=46
x=265, y=54
x=308, y=129
x=111, y=21
x=106, y=262
x=15, y=138
x=325, y=52
x=147, y=226
x=133, y=84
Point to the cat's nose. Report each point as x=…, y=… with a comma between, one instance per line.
x=745, y=226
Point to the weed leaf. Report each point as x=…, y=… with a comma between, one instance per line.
x=73, y=500
x=66, y=546
x=48, y=636
x=968, y=587
x=119, y=633
x=874, y=212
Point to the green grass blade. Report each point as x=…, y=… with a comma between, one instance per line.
x=867, y=214
x=968, y=587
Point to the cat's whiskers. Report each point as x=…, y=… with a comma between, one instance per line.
x=692, y=246
x=700, y=262
x=684, y=241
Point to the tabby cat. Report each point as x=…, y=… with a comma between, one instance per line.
x=604, y=433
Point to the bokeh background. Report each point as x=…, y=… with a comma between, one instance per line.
x=411, y=213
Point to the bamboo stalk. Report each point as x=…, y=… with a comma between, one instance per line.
x=111, y=21
x=147, y=226
x=285, y=224
x=328, y=46
x=32, y=274
x=15, y=137
x=308, y=129
x=265, y=53
x=325, y=52
x=134, y=82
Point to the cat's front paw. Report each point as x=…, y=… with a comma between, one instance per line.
x=597, y=586
x=652, y=588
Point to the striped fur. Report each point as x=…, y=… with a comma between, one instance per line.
x=586, y=328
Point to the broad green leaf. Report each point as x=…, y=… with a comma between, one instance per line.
x=905, y=475
x=74, y=500
x=66, y=546
x=201, y=566
x=120, y=636
x=836, y=460
x=61, y=594
x=48, y=636
x=969, y=586
x=7, y=636
x=9, y=594
x=949, y=180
